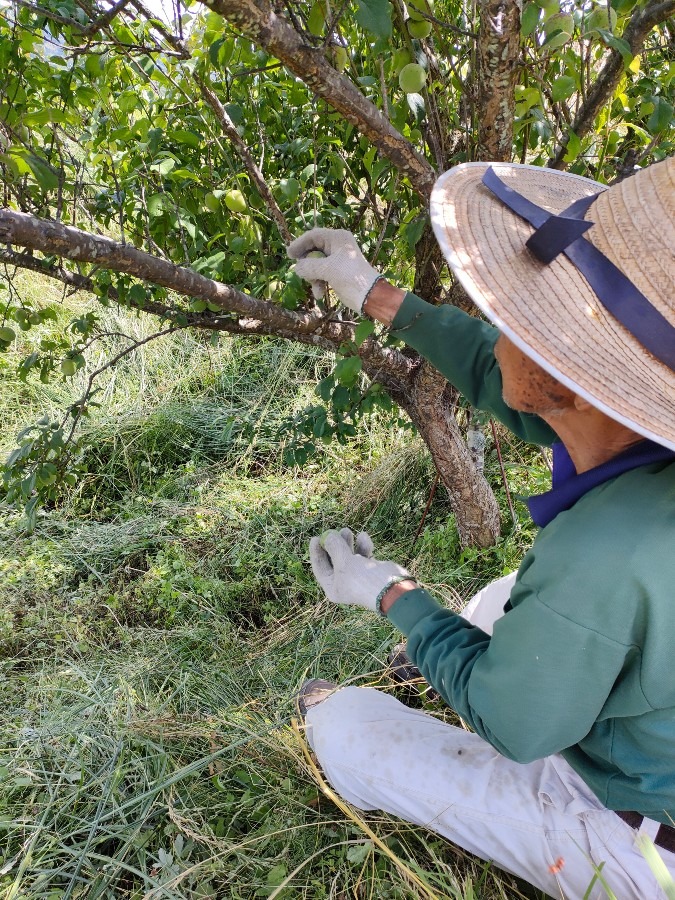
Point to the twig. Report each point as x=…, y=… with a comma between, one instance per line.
x=502, y=470
x=426, y=508
x=77, y=408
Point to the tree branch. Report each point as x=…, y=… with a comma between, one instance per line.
x=642, y=21
x=228, y=127
x=388, y=366
x=85, y=30
x=258, y=21
x=257, y=176
x=54, y=238
x=104, y=20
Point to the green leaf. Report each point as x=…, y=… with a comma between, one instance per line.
x=661, y=117
x=235, y=112
x=183, y=136
x=164, y=166
x=214, y=49
x=185, y=174
x=325, y=388
x=375, y=17
x=44, y=117
x=347, y=371
x=158, y=204
x=413, y=231
x=573, y=147
x=45, y=175
x=276, y=875
x=529, y=19
x=341, y=397
x=416, y=105
x=137, y=294
x=359, y=853
x=362, y=331
x=316, y=20
x=563, y=87
x=24, y=162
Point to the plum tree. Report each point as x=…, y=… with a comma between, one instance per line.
x=164, y=165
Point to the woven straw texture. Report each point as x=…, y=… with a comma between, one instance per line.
x=551, y=312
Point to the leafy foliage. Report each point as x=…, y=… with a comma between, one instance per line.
x=113, y=129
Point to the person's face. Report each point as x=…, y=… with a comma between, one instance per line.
x=526, y=387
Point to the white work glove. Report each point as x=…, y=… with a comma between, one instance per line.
x=347, y=572
x=342, y=265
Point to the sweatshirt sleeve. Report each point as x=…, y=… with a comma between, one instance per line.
x=462, y=349
x=534, y=688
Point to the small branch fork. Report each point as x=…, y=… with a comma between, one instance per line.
x=78, y=409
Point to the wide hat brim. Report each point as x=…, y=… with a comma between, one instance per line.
x=550, y=311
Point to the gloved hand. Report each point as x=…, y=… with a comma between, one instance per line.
x=346, y=570
x=342, y=265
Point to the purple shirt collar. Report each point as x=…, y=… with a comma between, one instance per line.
x=568, y=487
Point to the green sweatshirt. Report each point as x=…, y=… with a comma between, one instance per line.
x=581, y=664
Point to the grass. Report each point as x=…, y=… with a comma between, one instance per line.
x=155, y=626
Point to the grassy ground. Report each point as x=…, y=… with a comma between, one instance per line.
x=154, y=628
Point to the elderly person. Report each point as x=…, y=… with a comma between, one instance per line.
x=563, y=670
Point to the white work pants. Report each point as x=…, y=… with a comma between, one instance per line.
x=538, y=821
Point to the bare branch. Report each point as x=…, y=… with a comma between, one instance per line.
x=257, y=176
x=62, y=240
x=642, y=21
x=261, y=24
x=77, y=409
x=104, y=20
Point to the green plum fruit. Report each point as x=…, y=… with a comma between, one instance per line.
x=600, y=17
x=211, y=202
x=420, y=29
x=418, y=9
x=412, y=78
x=399, y=59
x=341, y=58
x=235, y=201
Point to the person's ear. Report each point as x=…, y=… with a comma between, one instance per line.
x=581, y=404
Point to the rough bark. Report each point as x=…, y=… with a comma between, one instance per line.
x=498, y=57
x=260, y=23
x=642, y=21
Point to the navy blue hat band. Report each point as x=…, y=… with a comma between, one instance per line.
x=563, y=233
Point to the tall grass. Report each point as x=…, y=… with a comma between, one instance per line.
x=155, y=627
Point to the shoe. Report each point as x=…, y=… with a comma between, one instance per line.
x=401, y=669
x=312, y=692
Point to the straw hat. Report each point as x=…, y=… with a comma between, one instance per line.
x=549, y=310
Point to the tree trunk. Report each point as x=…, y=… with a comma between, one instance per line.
x=498, y=58
x=430, y=407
